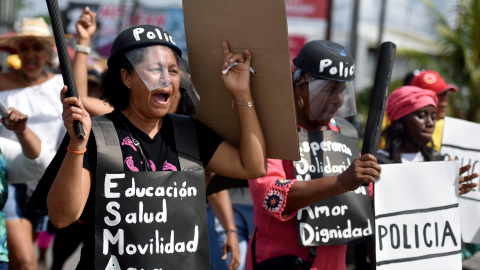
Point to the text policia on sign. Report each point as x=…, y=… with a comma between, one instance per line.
x=411, y=236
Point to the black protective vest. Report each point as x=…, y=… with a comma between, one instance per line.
x=150, y=220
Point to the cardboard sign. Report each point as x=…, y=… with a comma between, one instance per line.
x=417, y=222
x=261, y=27
x=148, y=222
x=460, y=142
x=342, y=218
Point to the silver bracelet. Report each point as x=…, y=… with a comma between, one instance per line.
x=249, y=104
x=83, y=49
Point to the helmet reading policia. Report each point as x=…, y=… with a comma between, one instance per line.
x=149, y=50
x=329, y=70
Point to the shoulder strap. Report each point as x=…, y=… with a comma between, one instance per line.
x=253, y=246
x=185, y=134
x=382, y=159
x=109, y=154
x=437, y=156
x=310, y=259
x=346, y=128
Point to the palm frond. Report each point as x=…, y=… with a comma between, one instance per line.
x=458, y=61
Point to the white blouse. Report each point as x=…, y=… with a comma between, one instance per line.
x=44, y=109
x=19, y=168
x=406, y=157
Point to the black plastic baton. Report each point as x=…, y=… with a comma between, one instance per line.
x=65, y=64
x=379, y=98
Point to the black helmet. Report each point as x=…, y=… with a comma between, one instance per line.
x=141, y=36
x=326, y=60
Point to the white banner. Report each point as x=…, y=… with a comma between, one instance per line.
x=460, y=142
x=417, y=224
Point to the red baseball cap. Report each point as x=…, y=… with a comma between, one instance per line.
x=429, y=79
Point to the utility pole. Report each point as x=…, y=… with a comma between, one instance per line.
x=121, y=16
x=353, y=29
x=381, y=23
x=8, y=13
x=329, y=19
x=133, y=13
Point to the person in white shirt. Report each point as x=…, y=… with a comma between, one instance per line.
x=20, y=162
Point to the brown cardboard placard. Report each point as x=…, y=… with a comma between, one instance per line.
x=261, y=27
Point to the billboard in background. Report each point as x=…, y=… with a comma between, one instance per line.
x=295, y=43
x=307, y=20
x=113, y=18
x=307, y=8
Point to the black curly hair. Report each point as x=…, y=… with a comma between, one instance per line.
x=112, y=89
x=394, y=136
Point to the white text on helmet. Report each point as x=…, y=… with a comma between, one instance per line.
x=343, y=69
x=151, y=35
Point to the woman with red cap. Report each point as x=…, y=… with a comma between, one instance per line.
x=413, y=111
x=430, y=79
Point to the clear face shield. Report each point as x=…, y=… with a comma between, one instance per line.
x=187, y=85
x=331, y=98
x=159, y=67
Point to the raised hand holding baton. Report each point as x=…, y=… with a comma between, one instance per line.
x=65, y=64
x=378, y=99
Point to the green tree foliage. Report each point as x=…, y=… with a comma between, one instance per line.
x=458, y=61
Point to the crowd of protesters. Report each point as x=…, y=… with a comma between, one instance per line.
x=153, y=115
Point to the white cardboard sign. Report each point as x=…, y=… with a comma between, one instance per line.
x=460, y=142
x=417, y=224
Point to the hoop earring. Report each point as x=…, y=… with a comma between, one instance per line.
x=300, y=102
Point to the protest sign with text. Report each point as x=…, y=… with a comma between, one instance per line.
x=417, y=222
x=342, y=218
x=460, y=142
x=144, y=221
x=258, y=26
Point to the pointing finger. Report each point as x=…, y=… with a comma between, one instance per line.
x=225, y=48
x=248, y=57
